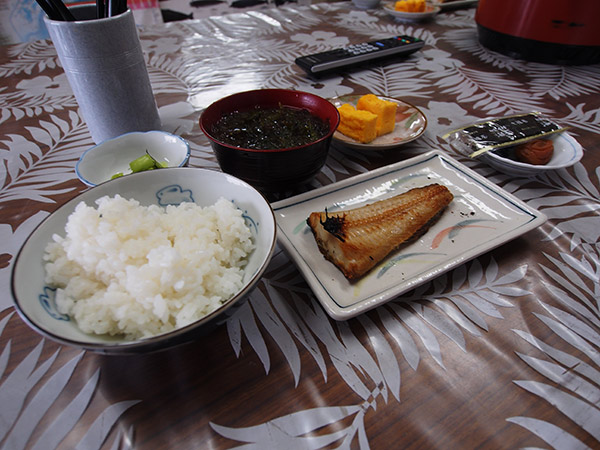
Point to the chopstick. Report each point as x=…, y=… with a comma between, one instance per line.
x=62, y=9
x=120, y=7
x=99, y=9
x=56, y=9
x=112, y=8
x=48, y=9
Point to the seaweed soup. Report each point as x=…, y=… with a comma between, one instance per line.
x=269, y=128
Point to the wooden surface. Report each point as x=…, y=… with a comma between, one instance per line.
x=502, y=352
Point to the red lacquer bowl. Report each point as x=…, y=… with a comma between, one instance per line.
x=278, y=169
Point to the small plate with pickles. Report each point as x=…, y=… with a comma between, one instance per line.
x=131, y=152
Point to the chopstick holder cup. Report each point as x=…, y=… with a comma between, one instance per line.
x=105, y=66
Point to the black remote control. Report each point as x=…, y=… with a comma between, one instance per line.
x=351, y=55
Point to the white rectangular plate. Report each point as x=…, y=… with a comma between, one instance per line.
x=481, y=217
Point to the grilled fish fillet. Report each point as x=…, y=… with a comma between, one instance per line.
x=356, y=240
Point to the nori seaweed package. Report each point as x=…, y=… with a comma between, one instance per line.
x=491, y=134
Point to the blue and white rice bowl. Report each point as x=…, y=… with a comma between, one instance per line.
x=101, y=162
x=34, y=299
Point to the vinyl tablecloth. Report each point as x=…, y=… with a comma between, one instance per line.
x=501, y=352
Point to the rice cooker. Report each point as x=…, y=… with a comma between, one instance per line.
x=547, y=31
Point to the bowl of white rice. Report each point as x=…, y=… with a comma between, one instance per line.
x=144, y=262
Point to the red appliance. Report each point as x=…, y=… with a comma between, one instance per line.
x=548, y=31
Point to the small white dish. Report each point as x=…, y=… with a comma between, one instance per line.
x=430, y=11
x=366, y=4
x=482, y=216
x=101, y=162
x=567, y=152
x=410, y=124
x=34, y=300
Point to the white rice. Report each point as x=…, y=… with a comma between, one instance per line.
x=127, y=269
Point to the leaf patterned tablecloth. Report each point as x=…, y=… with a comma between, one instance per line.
x=502, y=352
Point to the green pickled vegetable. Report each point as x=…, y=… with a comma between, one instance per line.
x=143, y=163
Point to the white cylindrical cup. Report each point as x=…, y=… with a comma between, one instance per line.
x=105, y=66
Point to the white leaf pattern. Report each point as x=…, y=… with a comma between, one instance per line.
x=319, y=324
x=18, y=422
x=35, y=409
x=551, y=434
x=385, y=356
x=275, y=327
x=458, y=317
x=571, y=372
x=6, y=351
x=246, y=319
x=25, y=158
x=565, y=359
x=565, y=378
x=574, y=324
x=347, y=352
x=298, y=329
x=15, y=386
x=581, y=412
x=98, y=431
x=32, y=56
x=402, y=337
x=288, y=431
x=441, y=323
x=570, y=337
x=69, y=416
x=426, y=336
x=580, y=118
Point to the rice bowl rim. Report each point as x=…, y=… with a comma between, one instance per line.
x=159, y=341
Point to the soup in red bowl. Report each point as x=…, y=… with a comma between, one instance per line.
x=274, y=139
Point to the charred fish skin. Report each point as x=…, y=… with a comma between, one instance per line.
x=356, y=240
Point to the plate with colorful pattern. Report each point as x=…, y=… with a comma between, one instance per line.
x=430, y=11
x=410, y=124
x=481, y=217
